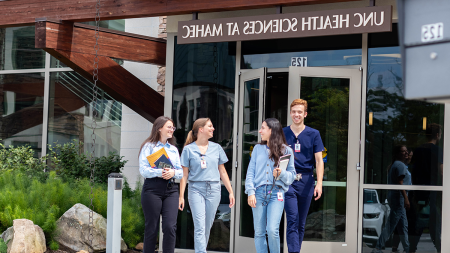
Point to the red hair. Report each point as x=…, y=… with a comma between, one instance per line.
x=299, y=101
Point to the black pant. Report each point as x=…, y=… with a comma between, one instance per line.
x=159, y=199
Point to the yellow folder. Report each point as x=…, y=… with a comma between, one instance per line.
x=155, y=156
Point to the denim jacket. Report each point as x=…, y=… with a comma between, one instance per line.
x=260, y=170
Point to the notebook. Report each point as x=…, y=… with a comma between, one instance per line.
x=155, y=156
x=283, y=163
x=163, y=162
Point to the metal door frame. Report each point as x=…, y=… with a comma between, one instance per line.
x=355, y=76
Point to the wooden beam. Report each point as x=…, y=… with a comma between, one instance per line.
x=116, y=81
x=24, y=12
x=80, y=38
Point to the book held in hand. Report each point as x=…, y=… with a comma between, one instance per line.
x=160, y=158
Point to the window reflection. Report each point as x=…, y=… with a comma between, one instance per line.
x=393, y=224
x=392, y=121
x=71, y=110
x=203, y=86
x=17, y=49
x=22, y=110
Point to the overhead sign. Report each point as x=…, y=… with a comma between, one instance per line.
x=292, y=25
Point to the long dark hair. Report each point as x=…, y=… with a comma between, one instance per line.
x=192, y=135
x=277, y=141
x=155, y=135
x=396, y=151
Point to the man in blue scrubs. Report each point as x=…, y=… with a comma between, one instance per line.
x=308, y=147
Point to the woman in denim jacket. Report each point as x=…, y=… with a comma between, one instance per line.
x=265, y=192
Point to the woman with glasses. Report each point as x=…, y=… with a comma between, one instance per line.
x=203, y=164
x=159, y=194
x=266, y=184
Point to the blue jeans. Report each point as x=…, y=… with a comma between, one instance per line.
x=204, y=199
x=397, y=220
x=266, y=219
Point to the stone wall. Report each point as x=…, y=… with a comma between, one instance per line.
x=161, y=78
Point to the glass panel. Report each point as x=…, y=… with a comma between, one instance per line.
x=22, y=110
x=314, y=59
x=402, y=136
x=204, y=82
x=345, y=50
x=326, y=217
x=55, y=63
x=204, y=77
x=276, y=88
x=71, y=110
x=219, y=239
x=389, y=224
x=17, y=49
x=328, y=111
x=249, y=137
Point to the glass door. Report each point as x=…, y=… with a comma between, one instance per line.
x=251, y=101
x=334, y=108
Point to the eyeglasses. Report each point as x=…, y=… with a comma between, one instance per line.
x=171, y=128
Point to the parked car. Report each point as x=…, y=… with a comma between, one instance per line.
x=375, y=214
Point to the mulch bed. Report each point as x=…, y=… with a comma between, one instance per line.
x=62, y=249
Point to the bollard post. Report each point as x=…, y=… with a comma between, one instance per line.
x=114, y=212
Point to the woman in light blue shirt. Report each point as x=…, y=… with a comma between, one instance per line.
x=265, y=192
x=203, y=166
x=159, y=193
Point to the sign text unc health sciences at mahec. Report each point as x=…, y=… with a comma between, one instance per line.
x=305, y=24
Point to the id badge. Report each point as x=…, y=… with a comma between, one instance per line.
x=297, y=147
x=280, y=196
x=203, y=164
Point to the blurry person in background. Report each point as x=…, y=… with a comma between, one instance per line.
x=398, y=201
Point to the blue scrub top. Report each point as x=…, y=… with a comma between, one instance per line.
x=214, y=156
x=310, y=143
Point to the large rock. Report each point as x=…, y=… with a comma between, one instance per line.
x=24, y=237
x=73, y=228
x=7, y=234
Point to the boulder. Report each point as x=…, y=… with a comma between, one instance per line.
x=8, y=234
x=73, y=228
x=140, y=246
x=25, y=237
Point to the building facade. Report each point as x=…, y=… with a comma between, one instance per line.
x=353, y=83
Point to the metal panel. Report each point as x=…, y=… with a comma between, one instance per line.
x=425, y=62
x=241, y=243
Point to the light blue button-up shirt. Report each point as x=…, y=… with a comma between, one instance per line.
x=260, y=170
x=149, y=148
x=214, y=156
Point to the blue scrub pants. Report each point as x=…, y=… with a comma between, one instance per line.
x=204, y=199
x=297, y=202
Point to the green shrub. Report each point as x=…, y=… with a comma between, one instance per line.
x=53, y=245
x=44, y=202
x=3, y=246
x=70, y=162
x=21, y=158
x=133, y=221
